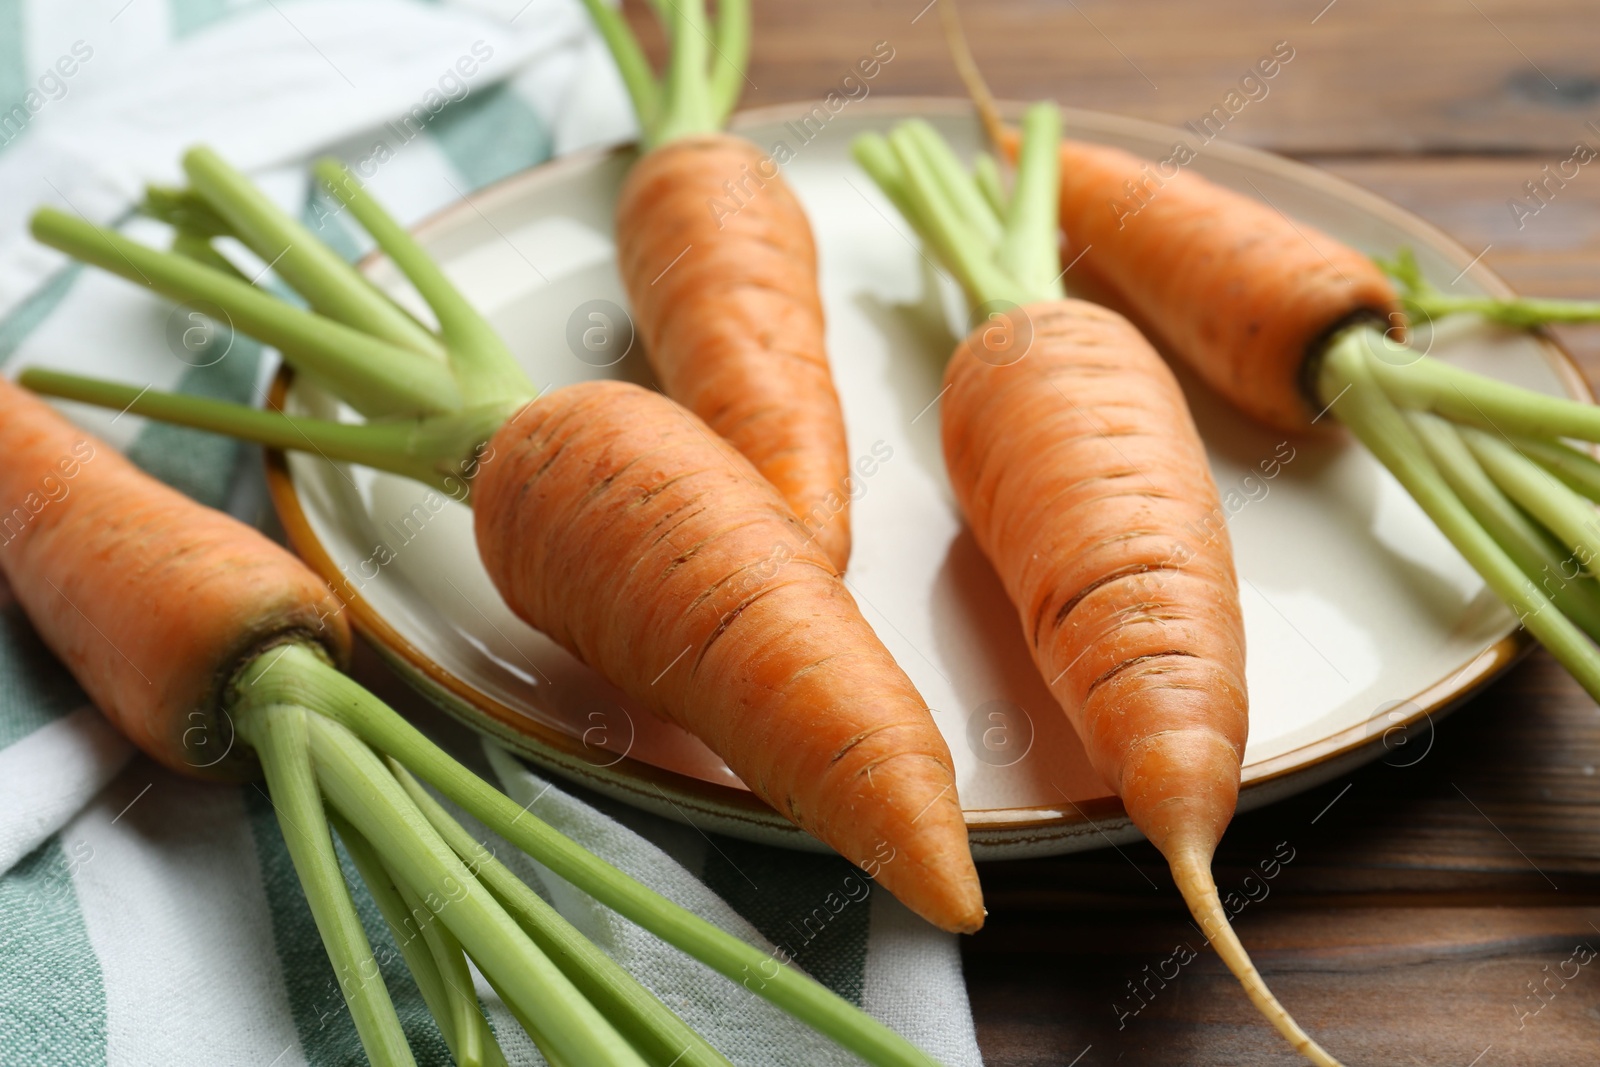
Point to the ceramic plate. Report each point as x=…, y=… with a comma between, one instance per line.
x=1364, y=625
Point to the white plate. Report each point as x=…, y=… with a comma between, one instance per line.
x=1364, y=625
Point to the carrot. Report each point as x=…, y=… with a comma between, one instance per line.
x=150, y=600
x=737, y=627
x=590, y=497
x=1216, y=274
x=721, y=270
x=1076, y=463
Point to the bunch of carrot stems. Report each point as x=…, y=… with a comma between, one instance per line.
x=704, y=75
x=430, y=398
x=1492, y=466
x=999, y=243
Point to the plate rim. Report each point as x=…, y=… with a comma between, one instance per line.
x=995, y=832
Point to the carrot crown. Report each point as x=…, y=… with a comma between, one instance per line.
x=1000, y=246
x=432, y=395
x=705, y=64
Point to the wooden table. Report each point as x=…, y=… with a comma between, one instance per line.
x=1422, y=900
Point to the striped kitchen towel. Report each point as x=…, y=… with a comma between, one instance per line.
x=147, y=919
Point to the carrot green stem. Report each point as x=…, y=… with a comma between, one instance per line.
x=565, y=1025
x=455, y=979
x=375, y=377
x=1424, y=303
x=986, y=172
x=1578, y=469
x=686, y=98
x=703, y=73
x=873, y=154
x=330, y=285
x=732, y=47
x=631, y=63
x=1349, y=382
x=402, y=926
x=199, y=248
x=957, y=187
x=1029, y=251
x=483, y=367
x=280, y=734
x=1541, y=494
x=1010, y=259
x=342, y=700
x=1462, y=396
x=1540, y=556
x=655, y=1031
x=438, y=450
x=183, y=210
x=938, y=223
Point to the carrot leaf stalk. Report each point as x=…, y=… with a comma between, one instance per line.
x=404, y=922
x=1424, y=302
x=1428, y=384
x=1540, y=556
x=341, y=700
x=1487, y=462
x=634, y=1010
x=430, y=397
x=705, y=67
x=330, y=285
x=1577, y=469
x=1003, y=251
x=433, y=449
x=382, y=378
x=281, y=737
x=1349, y=381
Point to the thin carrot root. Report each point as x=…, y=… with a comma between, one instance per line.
x=1191, y=869
x=971, y=76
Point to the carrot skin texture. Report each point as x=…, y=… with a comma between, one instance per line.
x=1085, y=483
x=152, y=600
x=721, y=271
x=1237, y=290
x=620, y=525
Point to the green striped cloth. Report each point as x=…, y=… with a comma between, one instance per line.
x=147, y=919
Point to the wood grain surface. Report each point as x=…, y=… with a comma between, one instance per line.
x=1430, y=895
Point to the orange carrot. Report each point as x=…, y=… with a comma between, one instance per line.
x=152, y=601
x=620, y=525
x=1079, y=469
x=727, y=307
x=721, y=270
x=1074, y=459
x=1237, y=290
